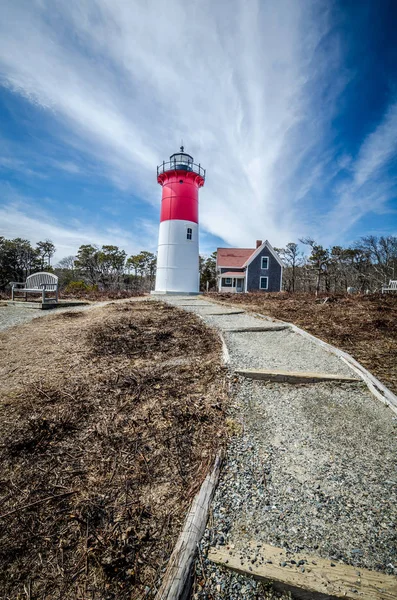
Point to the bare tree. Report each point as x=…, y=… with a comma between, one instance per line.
x=67, y=263
x=318, y=261
x=382, y=252
x=292, y=258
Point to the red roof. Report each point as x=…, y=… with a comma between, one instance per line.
x=233, y=257
x=234, y=274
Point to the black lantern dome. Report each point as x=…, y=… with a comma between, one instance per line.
x=181, y=161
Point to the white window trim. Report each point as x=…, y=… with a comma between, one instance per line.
x=267, y=262
x=228, y=280
x=259, y=250
x=189, y=232
x=267, y=282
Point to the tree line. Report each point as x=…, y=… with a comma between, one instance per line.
x=109, y=267
x=105, y=267
x=364, y=266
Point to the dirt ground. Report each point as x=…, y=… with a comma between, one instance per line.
x=89, y=296
x=109, y=421
x=98, y=296
x=364, y=326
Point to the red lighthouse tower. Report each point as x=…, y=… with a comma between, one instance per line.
x=178, y=249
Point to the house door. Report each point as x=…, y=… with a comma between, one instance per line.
x=239, y=285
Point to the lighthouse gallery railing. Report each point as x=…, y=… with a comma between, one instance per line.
x=181, y=166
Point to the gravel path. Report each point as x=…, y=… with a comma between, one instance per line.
x=312, y=469
x=285, y=350
x=11, y=316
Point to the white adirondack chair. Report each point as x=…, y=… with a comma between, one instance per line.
x=38, y=283
x=392, y=287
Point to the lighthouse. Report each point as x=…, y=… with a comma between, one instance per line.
x=178, y=249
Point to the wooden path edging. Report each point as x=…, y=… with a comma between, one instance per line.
x=179, y=565
x=313, y=578
x=225, y=349
x=294, y=376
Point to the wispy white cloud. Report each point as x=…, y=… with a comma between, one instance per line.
x=378, y=148
x=20, y=217
x=12, y=163
x=369, y=187
x=250, y=85
x=67, y=166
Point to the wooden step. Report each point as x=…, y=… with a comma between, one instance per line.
x=199, y=305
x=221, y=314
x=315, y=578
x=256, y=328
x=293, y=376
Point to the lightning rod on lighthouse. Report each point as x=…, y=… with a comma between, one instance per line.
x=178, y=248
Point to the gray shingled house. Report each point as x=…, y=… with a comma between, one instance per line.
x=249, y=269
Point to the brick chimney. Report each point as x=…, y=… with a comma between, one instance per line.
x=258, y=243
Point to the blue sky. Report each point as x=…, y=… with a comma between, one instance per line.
x=290, y=105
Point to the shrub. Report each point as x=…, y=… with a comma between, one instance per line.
x=76, y=287
x=83, y=291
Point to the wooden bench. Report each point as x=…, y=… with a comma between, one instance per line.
x=392, y=287
x=38, y=283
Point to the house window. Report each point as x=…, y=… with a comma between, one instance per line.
x=265, y=262
x=189, y=233
x=263, y=283
x=226, y=282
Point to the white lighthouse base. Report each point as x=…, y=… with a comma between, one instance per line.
x=177, y=258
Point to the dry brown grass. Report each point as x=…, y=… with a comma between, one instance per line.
x=364, y=326
x=109, y=420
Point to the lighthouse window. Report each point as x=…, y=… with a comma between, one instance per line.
x=189, y=233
